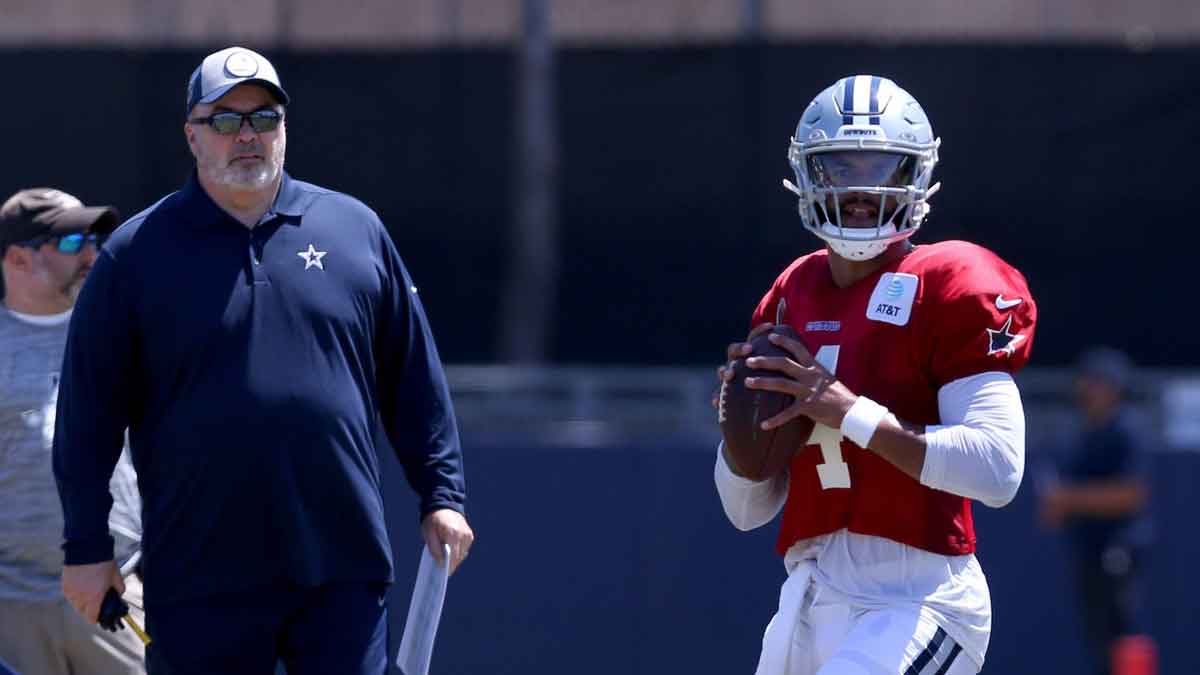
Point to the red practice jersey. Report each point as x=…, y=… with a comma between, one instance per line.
x=943, y=312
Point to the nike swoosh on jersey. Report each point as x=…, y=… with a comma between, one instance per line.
x=1001, y=303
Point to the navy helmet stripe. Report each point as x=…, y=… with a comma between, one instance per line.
x=949, y=661
x=927, y=655
x=848, y=101
x=874, y=100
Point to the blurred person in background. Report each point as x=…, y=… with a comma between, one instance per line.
x=904, y=359
x=1099, y=500
x=48, y=243
x=251, y=331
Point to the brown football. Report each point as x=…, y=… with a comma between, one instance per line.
x=752, y=452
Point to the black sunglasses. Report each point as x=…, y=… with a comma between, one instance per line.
x=225, y=123
x=71, y=244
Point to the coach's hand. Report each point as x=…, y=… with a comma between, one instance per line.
x=84, y=586
x=447, y=526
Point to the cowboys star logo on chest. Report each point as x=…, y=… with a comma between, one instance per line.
x=312, y=257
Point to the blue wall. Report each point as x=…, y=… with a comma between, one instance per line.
x=620, y=560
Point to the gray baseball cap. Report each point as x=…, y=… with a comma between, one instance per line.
x=36, y=212
x=224, y=70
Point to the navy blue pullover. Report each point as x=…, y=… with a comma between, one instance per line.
x=251, y=367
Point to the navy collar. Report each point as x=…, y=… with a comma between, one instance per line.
x=291, y=200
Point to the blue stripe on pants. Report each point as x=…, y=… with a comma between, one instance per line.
x=927, y=655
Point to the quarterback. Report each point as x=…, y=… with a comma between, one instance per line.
x=905, y=361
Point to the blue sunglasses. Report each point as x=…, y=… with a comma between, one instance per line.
x=71, y=244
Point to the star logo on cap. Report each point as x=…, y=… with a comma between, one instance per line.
x=241, y=64
x=1001, y=341
x=312, y=258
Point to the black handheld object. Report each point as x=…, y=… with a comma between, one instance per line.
x=111, y=611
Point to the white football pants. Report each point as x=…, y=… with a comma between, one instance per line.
x=810, y=637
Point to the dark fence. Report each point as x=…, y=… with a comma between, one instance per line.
x=1077, y=164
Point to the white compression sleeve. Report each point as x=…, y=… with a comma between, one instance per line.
x=979, y=450
x=749, y=504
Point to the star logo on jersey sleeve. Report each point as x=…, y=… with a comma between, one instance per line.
x=312, y=257
x=1002, y=341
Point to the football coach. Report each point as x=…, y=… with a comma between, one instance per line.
x=250, y=330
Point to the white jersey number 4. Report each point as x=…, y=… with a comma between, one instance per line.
x=834, y=473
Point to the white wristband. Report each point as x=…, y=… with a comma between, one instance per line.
x=861, y=420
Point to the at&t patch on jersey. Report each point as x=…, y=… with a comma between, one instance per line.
x=892, y=300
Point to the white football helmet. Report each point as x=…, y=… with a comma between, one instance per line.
x=863, y=137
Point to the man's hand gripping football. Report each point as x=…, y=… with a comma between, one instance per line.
x=819, y=395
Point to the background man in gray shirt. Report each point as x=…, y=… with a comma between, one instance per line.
x=47, y=246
